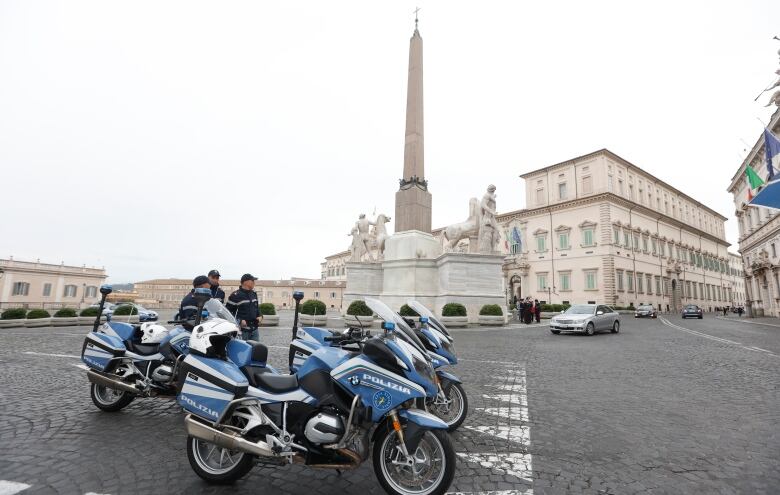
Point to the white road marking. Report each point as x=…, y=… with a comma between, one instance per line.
x=511, y=464
x=12, y=487
x=509, y=363
x=82, y=366
x=495, y=492
x=746, y=320
x=52, y=355
x=712, y=337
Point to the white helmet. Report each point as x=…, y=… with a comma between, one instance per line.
x=152, y=333
x=210, y=337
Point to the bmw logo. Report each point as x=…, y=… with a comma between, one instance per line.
x=354, y=380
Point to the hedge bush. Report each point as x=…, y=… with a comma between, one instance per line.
x=454, y=309
x=13, y=314
x=65, y=313
x=34, y=314
x=125, y=310
x=555, y=308
x=313, y=307
x=91, y=311
x=267, y=309
x=407, y=311
x=491, y=310
x=359, y=308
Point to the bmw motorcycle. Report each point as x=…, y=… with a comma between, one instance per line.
x=337, y=409
x=127, y=361
x=451, y=403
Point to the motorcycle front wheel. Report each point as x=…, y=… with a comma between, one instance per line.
x=432, y=468
x=454, y=411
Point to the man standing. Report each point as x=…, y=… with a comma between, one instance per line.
x=189, y=307
x=537, y=311
x=216, y=292
x=243, y=304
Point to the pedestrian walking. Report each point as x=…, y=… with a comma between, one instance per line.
x=243, y=304
x=739, y=311
x=537, y=311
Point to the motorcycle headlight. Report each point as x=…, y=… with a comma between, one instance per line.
x=424, y=369
x=449, y=347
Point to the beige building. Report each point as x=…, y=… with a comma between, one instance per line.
x=599, y=229
x=335, y=266
x=42, y=285
x=168, y=293
x=759, y=235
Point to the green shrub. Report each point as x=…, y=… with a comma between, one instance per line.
x=125, y=310
x=91, y=311
x=267, y=309
x=454, y=309
x=34, y=314
x=407, y=311
x=65, y=313
x=555, y=308
x=359, y=308
x=313, y=307
x=13, y=314
x=491, y=310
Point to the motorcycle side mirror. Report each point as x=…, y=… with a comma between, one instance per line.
x=106, y=289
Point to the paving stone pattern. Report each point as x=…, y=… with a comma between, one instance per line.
x=652, y=409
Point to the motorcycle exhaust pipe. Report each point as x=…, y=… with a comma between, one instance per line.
x=112, y=383
x=208, y=434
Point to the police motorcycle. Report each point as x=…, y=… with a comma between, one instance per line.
x=126, y=361
x=337, y=409
x=451, y=404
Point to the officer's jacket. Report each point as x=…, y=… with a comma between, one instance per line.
x=217, y=293
x=188, y=307
x=243, y=304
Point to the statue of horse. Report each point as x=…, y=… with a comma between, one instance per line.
x=470, y=228
x=379, y=235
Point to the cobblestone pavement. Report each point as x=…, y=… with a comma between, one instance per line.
x=665, y=406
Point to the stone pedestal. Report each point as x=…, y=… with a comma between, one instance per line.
x=412, y=210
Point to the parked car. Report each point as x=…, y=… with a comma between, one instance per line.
x=587, y=319
x=645, y=311
x=143, y=313
x=692, y=311
x=108, y=308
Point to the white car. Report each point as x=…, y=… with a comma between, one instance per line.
x=587, y=319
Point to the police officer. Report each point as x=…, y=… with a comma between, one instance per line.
x=243, y=304
x=216, y=292
x=189, y=307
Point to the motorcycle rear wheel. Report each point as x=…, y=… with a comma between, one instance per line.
x=433, y=469
x=109, y=400
x=215, y=464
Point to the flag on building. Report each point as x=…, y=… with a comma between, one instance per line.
x=516, y=239
x=772, y=153
x=506, y=240
x=754, y=181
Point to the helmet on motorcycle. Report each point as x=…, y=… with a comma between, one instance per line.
x=210, y=337
x=152, y=333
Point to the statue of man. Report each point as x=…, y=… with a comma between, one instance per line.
x=363, y=225
x=356, y=249
x=488, y=228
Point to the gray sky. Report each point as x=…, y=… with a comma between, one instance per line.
x=167, y=138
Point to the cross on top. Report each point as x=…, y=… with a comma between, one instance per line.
x=415, y=17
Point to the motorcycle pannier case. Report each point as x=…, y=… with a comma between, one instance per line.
x=99, y=350
x=207, y=385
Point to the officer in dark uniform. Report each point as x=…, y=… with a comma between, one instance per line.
x=243, y=304
x=189, y=307
x=216, y=292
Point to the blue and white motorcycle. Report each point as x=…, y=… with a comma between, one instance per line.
x=126, y=361
x=337, y=409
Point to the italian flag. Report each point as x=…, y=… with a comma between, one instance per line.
x=754, y=181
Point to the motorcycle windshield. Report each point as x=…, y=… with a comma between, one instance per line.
x=423, y=311
x=403, y=330
x=217, y=310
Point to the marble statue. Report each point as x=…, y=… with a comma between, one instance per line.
x=379, y=235
x=363, y=225
x=488, y=237
x=453, y=234
x=368, y=238
x=356, y=249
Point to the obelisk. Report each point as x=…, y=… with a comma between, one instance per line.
x=413, y=201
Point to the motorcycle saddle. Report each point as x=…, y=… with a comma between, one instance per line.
x=143, y=349
x=274, y=383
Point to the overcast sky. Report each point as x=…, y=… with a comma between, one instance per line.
x=163, y=139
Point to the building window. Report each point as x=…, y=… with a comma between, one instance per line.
x=616, y=231
x=91, y=291
x=541, y=245
x=562, y=190
x=587, y=237
x=590, y=280
x=316, y=294
x=649, y=280
x=21, y=289
x=587, y=185
x=620, y=187
x=610, y=182
x=70, y=291
x=658, y=285
x=639, y=280
x=774, y=250
x=631, y=192
x=541, y=281
x=644, y=243
x=565, y=280
x=269, y=294
x=619, y=279
x=333, y=295
x=626, y=239
x=563, y=240
x=636, y=242
x=630, y=281
x=655, y=247
x=540, y=196
x=284, y=294
x=46, y=290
